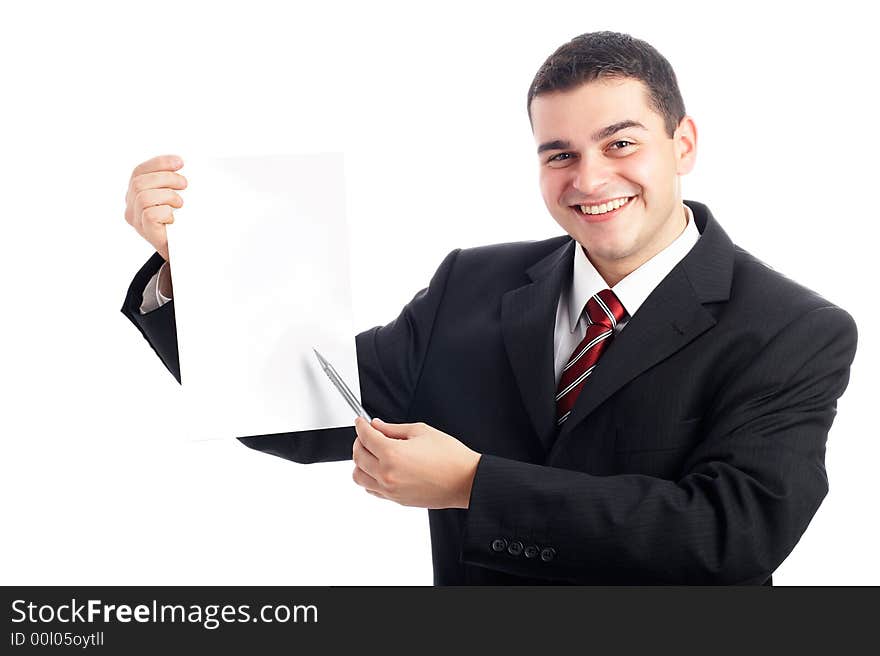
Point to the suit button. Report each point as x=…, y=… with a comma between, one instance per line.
x=499, y=544
x=548, y=554
x=531, y=551
x=515, y=548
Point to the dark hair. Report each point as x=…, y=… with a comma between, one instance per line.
x=612, y=55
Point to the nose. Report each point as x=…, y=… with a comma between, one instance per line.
x=591, y=175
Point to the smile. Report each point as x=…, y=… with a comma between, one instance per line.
x=603, y=212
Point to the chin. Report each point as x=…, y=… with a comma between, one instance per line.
x=607, y=250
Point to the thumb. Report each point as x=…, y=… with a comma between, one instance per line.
x=397, y=431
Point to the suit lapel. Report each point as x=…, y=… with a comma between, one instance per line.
x=672, y=316
x=528, y=317
x=669, y=318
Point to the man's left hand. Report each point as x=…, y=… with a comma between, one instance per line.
x=413, y=464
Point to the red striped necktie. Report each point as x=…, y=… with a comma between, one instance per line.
x=603, y=313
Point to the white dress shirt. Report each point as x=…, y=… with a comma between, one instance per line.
x=152, y=298
x=571, y=320
x=631, y=291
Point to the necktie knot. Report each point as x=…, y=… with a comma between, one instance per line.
x=605, y=309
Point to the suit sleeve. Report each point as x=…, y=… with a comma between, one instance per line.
x=390, y=360
x=750, y=489
x=158, y=326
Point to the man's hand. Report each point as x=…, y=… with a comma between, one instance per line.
x=151, y=198
x=413, y=464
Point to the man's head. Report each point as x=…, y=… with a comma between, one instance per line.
x=609, y=123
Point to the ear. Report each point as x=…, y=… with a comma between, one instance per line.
x=684, y=141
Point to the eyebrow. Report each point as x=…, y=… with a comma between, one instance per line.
x=604, y=133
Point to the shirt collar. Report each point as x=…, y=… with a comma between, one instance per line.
x=638, y=285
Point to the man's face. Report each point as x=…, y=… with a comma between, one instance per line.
x=583, y=160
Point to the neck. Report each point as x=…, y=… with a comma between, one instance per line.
x=613, y=271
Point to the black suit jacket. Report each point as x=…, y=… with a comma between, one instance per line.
x=694, y=454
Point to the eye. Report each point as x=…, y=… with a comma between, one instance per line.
x=559, y=159
x=622, y=141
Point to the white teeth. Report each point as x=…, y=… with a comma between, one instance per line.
x=604, y=207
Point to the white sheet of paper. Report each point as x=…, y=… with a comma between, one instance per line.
x=260, y=264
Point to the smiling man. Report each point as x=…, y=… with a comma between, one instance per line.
x=638, y=401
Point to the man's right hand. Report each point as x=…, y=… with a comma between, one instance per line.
x=151, y=197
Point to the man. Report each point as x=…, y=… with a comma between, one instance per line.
x=637, y=402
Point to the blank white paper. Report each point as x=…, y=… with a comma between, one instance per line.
x=260, y=265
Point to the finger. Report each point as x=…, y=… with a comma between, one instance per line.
x=153, y=211
x=156, y=213
x=152, y=197
x=159, y=163
x=153, y=227
x=156, y=218
x=363, y=479
x=156, y=180
x=371, y=438
x=364, y=459
x=376, y=494
x=397, y=431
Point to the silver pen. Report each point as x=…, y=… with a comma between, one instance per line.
x=340, y=385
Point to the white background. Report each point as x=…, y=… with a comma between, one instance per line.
x=429, y=106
